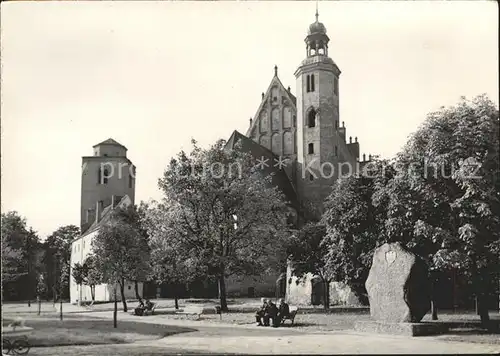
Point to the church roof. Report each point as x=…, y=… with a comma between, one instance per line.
x=110, y=141
x=280, y=178
x=106, y=215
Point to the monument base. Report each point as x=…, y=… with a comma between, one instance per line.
x=402, y=329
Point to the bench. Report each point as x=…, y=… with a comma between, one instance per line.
x=291, y=316
x=191, y=310
x=150, y=311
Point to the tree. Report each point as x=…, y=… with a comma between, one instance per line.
x=21, y=260
x=87, y=274
x=56, y=259
x=308, y=255
x=445, y=201
x=92, y=273
x=224, y=214
x=123, y=252
x=353, y=226
x=11, y=263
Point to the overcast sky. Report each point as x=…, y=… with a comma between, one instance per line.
x=154, y=75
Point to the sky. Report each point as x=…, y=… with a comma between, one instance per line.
x=153, y=75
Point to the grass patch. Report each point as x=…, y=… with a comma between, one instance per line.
x=53, y=332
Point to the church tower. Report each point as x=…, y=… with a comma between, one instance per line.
x=318, y=132
x=107, y=177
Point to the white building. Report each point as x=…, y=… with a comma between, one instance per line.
x=108, y=182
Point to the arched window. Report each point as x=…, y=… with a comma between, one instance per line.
x=105, y=178
x=288, y=143
x=311, y=118
x=310, y=148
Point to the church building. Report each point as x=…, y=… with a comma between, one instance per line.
x=305, y=132
x=302, y=131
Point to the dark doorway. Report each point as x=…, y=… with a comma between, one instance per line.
x=251, y=292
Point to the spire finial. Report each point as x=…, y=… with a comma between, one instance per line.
x=317, y=14
x=276, y=70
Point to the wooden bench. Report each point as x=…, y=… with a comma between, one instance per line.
x=291, y=316
x=192, y=310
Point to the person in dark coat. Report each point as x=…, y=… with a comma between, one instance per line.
x=271, y=314
x=259, y=315
x=283, y=310
x=139, y=310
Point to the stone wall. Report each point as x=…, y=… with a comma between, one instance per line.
x=302, y=292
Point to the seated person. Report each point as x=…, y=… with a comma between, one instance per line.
x=139, y=310
x=271, y=313
x=261, y=312
x=148, y=307
x=283, y=310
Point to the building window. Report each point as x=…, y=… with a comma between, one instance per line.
x=336, y=151
x=130, y=181
x=312, y=82
x=311, y=118
x=106, y=175
x=308, y=79
x=336, y=85
x=310, y=148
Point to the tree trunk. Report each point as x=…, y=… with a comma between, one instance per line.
x=434, y=310
x=176, y=295
x=481, y=300
x=122, y=292
x=136, y=289
x=482, y=310
x=433, y=297
x=222, y=293
x=115, y=311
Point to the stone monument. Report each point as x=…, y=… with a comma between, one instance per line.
x=398, y=289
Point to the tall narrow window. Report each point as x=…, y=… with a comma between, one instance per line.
x=336, y=151
x=105, y=178
x=99, y=176
x=308, y=79
x=312, y=82
x=311, y=118
x=130, y=181
x=310, y=148
x=336, y=85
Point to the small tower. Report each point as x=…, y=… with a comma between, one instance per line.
x=317, y=115
x=107, y=176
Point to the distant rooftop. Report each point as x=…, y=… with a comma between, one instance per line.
x=110, y=141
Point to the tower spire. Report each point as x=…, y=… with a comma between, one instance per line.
x=317, y=14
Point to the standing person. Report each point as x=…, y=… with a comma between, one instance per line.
x=259, y=315
x=271, y=313
x=283, y=310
